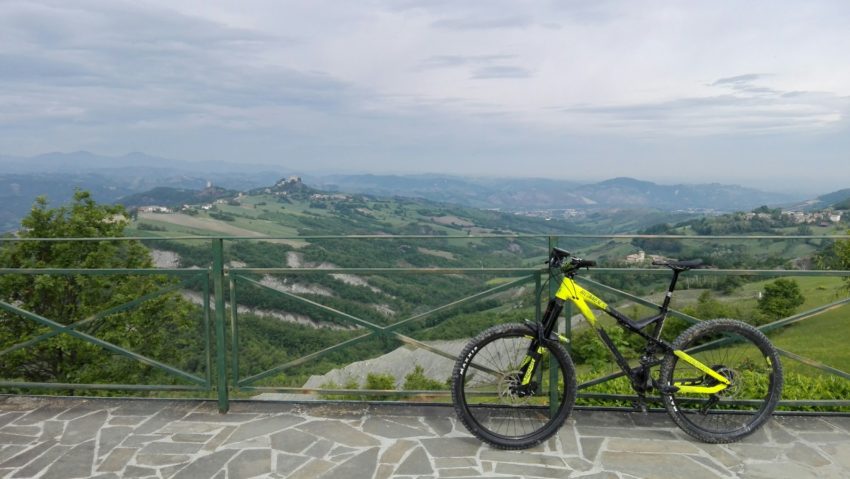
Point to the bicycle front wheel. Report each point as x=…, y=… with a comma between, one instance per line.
x=739, y=353
x=489, y=395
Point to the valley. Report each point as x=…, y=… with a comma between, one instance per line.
x=292, y=225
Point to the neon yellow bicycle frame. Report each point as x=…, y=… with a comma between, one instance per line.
x=572, y=291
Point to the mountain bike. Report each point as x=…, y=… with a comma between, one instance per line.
x=513, y=385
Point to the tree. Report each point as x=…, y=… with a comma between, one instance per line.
x=842, y=252
x=780, y=299
x=160, y=327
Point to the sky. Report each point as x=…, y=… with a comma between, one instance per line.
x=754, y=93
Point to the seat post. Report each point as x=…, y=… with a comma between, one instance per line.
x=672, y=287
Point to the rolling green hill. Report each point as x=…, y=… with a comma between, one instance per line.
x=302, y=222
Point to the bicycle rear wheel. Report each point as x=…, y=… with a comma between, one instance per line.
x=741, y=354
x=488, y=394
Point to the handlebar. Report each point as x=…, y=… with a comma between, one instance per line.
x=557, y=257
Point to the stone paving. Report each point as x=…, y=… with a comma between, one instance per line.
x=111, y=438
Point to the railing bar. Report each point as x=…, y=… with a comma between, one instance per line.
x=497, y=289
x=129, y=387
x=384, y=270
x=600, y=380
x=191, y=271
x=814, y=402
x=98, y=342
x=639, y=300
x=655, y=271
x=444, y=393
x=303, y=359
x=452, y=357
x=804, y=315
x=771, y=326
x=390, y=237
x=353, y=392
x=815, y=364
x=102, y=271
x=357, y=320
x=419, y=344
x=102, y=314
x=403, y=338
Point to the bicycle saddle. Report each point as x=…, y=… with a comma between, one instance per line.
x=680, y=265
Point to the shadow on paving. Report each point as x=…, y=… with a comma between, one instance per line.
x=115, y=438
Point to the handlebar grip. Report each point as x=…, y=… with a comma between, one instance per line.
x=582, y=263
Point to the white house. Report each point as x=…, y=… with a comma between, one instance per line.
x=638, y=257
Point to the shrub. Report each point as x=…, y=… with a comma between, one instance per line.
x=418, y=381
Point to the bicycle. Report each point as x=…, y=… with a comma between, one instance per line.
x=514, y=385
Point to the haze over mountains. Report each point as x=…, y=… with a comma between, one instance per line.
x=514, y=194
x=112, y=178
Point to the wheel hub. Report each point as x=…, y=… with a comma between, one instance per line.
x=734, y=387
x=510, y=387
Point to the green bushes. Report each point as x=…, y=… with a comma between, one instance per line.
x=797, y=387
x=414, y=381
x=418, y=381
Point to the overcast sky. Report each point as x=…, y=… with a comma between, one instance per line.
x=750, y=92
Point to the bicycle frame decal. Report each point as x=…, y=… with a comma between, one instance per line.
x=570, y=290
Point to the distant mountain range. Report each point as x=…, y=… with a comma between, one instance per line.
x=116, y=179
x=514, y=194
x=139, y=171
x=57, y=175
x=837, y=199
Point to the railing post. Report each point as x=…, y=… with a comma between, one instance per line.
x=568, y=305
x=220, y=349
x=553, y=365
x=208, y=332
x=538, y=296
x=234, y=334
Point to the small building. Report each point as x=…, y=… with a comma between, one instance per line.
x=638, y=257
x=154, y=209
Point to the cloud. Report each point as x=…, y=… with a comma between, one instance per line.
x=738, y=80
x=447, y=61
x=746, y=107
x=433, y=83
x=500, y=71
x=118, y=64
x=478, y=23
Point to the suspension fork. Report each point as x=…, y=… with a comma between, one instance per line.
x=541, y=332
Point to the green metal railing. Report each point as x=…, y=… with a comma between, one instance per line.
x=221, y=285
x=198, y=383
